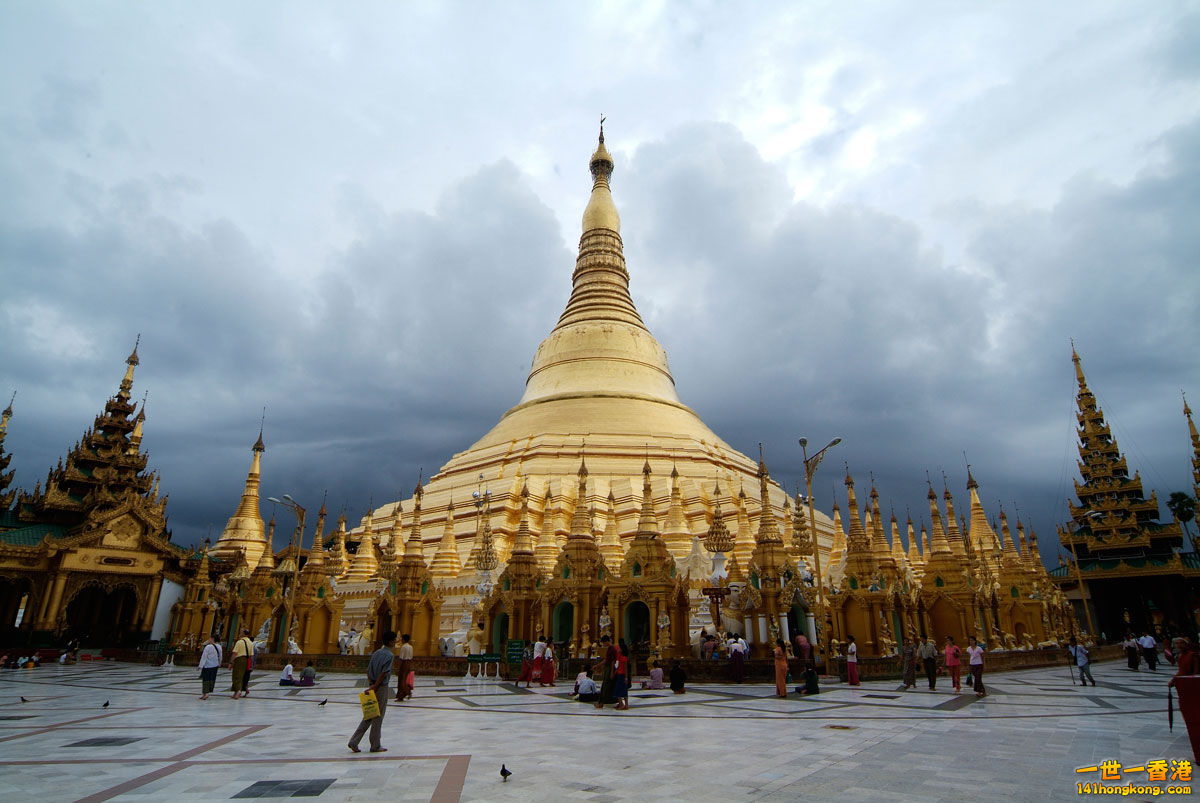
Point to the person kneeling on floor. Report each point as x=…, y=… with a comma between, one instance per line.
x=589, y=692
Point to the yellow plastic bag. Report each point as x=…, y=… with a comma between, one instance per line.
x=370, y=704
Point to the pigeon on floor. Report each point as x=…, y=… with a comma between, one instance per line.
x=504, y=773
x=24, y=700
x=105, y=704
x=323, y=701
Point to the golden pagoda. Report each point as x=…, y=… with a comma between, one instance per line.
x=1128, y=563
x=599, y=383
x=86, y=555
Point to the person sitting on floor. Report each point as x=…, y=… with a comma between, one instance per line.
x=588, y=692
x=286, y=678
x=810, y=681
x=579, y=679
x=308, y=677
x=678, y=678
x=656, y=677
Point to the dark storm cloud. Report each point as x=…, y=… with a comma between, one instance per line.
x=401, y=352
x=892, y=238
x=842, y=321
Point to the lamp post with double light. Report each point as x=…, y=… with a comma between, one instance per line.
x=810, y=470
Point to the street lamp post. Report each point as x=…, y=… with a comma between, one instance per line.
x=810, y=470
x=290, y=567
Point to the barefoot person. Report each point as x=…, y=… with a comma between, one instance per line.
x=781, y=667
x=210, y=661
x=953, y=663
x=975, y=651
x=852, y=662
x=240, y=663
x=378, y=670
x=404, y=658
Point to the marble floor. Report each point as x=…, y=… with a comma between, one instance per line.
x=157, y=741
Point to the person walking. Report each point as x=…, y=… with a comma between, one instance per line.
x=1149, y=650
x=404, y=658
x=953, y=663
x=909, y=656
x=607, y=671
x=927, y=655
x=781, y=668
x=241, y=663
x=539, y=658
x=1083, y=660
x=852, y=662
x=1131, y=651
x=621, y=679
x=379, y=668
x=976, y=661
x=210, y=662
x=549, y=671
x=737, y=660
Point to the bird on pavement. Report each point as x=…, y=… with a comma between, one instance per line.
x=323, y=701
x=504, y=773
x=24, y=700
x=105, y=704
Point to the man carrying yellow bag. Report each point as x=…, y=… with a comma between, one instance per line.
x=374, y=704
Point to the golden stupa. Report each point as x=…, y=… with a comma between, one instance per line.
x=599, y=388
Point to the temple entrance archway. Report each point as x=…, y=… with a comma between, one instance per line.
x=563, y=622
x=499, y=632
x=102, y=617
x=636, y=628
x=943, y=619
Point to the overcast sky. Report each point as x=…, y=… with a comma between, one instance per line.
x=876, y=221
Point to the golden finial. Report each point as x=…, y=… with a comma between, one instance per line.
x=262, y=422
x=133, y=356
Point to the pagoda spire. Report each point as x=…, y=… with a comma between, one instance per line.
x=581, y=524
x=547, y=543
x=1195, y=436
x=768, y=528
x=244, y=530
x=316, y=553
x=676, y=533
x=523, y=545
x=937, y=536
x=446, y=563
x=982, y=536
x=1113, y=515
x=718, y=538
x=600, y=346
x=266, y=559
x=339, y=558
x=647, y=521
x=365, y=565
x=610, y=542
x=131, y=362
x=415, y=545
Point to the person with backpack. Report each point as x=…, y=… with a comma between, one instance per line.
x=1083, y=660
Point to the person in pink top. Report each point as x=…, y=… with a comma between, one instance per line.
x=953, y=664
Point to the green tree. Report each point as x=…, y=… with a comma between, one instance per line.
x=1182, y=507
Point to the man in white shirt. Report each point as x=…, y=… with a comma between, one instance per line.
x=404, y=658
x=1149, y=650
x=1083, y=660
x=210, y=661
x=286, y=678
